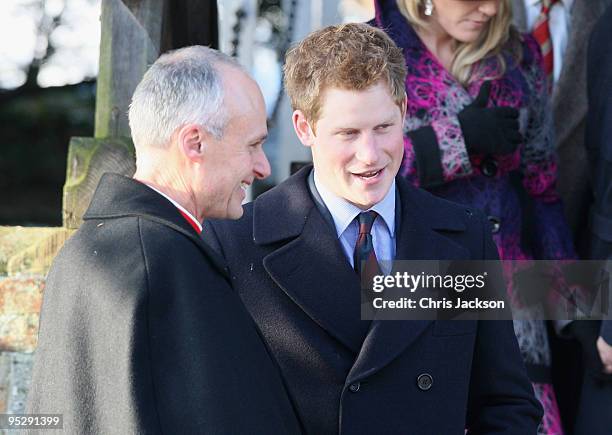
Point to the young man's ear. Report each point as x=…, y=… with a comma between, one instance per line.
x=192, y=141
x=302, y=128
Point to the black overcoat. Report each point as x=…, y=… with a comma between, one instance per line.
x=599, y=142
x=388, y=377
x=594, y=410
x=141, y=332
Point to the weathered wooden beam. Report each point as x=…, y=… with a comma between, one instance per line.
x=130, y=42
x=189, y=22
x=88, y=159
x=134, y=34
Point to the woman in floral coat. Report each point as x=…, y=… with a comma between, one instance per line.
x=478, y=131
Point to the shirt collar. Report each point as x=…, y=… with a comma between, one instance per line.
x=567, y=3
x=343, y=212
x=177, y=205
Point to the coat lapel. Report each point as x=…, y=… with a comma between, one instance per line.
x=311, y=267
x=419, y=239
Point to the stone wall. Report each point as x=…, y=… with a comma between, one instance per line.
x=25, y=256
x=20, y=300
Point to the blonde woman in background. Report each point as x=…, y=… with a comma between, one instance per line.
x=478, y=131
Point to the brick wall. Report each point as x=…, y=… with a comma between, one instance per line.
x=20, y=301
x=25, y=256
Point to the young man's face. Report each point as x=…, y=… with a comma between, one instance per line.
x=358, y=145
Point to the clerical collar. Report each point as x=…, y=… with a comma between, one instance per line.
x=197, y=225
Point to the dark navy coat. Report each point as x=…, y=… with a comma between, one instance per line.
x=599, y=141
x=388, y=377
x=141, y=332
x=594, y=416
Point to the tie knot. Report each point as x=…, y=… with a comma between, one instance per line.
x=547, y=4
x=366, y=220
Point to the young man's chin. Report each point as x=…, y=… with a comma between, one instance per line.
x=365, y=202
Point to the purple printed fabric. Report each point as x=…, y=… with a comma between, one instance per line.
x=435, y=98
x=521, y=194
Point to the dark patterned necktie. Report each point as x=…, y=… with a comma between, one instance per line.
x=364, y=257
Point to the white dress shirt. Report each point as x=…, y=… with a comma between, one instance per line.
x=347, y=228
x=559, y=23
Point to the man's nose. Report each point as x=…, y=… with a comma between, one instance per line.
x=261, y=168
x=367, y=150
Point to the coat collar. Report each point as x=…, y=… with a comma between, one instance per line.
x=308, y=264
x=296, y=203
x=118, y=196
x=389, y=18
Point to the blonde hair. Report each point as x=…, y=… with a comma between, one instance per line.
x=498, y=36
x=349, y=56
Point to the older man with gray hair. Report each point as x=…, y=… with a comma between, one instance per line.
x=140, y=330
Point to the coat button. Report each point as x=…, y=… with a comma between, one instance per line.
x=354, y=387
x=488, y=167
x=425, y=381
x=495, y=224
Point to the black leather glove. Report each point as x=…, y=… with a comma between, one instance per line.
x=489, y=130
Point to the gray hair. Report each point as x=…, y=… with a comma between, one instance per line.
x=182, y=87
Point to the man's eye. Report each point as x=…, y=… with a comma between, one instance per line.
x=383, y=126
x=348, y=133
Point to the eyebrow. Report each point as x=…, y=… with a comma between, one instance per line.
x=260, y=139
x=389, y=120
x=339, y=129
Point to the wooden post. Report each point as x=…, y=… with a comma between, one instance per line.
x=130, y=42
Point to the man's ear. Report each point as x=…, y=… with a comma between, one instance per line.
x=302, y=128
x=192, y=141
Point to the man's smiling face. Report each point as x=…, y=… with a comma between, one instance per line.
x=357, y=147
